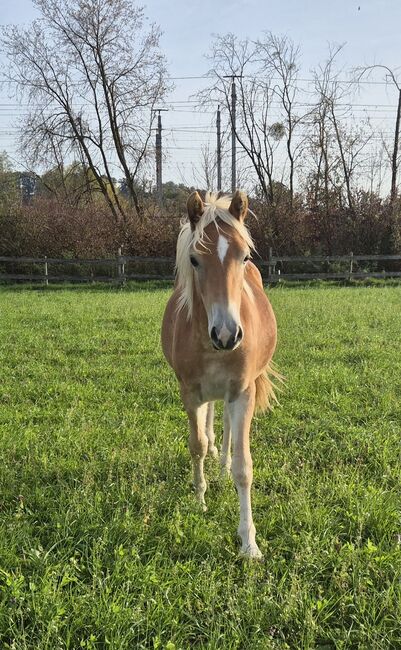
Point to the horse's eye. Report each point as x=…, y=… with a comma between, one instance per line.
x=194, y=261
x=247, y=258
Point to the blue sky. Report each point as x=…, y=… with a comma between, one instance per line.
x=370, y=29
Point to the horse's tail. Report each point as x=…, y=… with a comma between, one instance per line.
x=265, y=388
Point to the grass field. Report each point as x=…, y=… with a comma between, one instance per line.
x=102, y=544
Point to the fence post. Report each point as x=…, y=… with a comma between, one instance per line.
x=351, y=265
x=120, y=267
x=46, y=272
x=270, y=264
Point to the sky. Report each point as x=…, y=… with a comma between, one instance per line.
x=368, y=28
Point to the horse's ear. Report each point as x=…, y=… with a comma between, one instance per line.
x=239, y=205
x=195, y=209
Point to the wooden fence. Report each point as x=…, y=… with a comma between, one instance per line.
x=121, y=268
x=332, y=267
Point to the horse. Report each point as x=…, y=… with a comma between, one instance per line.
x=219, y=334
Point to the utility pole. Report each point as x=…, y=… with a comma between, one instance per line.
x=159, y=188
x=218, y=126
x=233, y=141
x=233, y=77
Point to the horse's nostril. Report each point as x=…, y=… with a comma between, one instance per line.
x=213, y=335
x=240, y=334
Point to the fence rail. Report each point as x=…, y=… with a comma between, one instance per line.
x=121, y=268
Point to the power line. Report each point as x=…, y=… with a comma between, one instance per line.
x=197, y=103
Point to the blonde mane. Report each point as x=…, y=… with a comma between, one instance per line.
x=215, y=208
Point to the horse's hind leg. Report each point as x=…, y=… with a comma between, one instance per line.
x=211, y=449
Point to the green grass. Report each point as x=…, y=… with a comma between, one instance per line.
x=102, y=544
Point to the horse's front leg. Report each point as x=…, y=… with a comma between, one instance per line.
x=198, y=445
x=212, y=449
x=241, y=412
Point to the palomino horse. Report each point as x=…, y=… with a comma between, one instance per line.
x=219, y=334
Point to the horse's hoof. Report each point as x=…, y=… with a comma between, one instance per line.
x=201, y=500
x=202, y=505
x=226, y=471
x=251, y=552
x=213, y=452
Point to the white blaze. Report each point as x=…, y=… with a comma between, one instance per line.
x=222, y=247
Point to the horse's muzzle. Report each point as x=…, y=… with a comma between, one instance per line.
x=226, y=340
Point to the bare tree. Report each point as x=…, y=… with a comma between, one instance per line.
x=265, y=73
x=257, y=135
x=92, y=74
x=338, y=144
x=394, y=156
x=205, y=171
x=278, y=59
x=328, y=92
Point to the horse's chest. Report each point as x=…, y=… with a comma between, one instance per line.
x=217, y=381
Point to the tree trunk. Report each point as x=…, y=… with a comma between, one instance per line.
x=394, y=161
